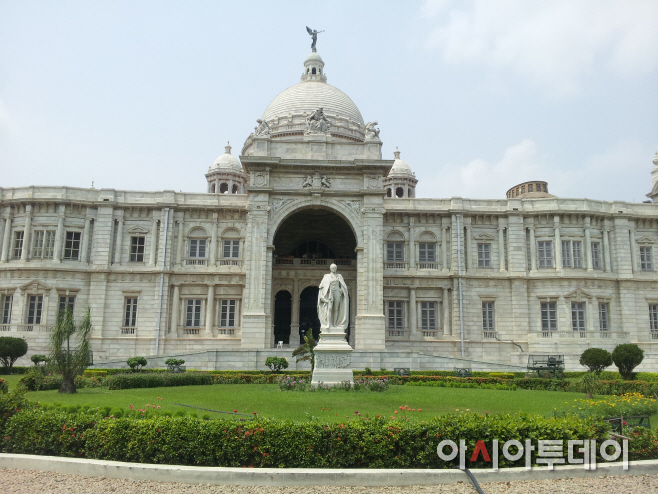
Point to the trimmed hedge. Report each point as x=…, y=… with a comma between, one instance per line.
x=36, y=381
x=364, y=443
x=156, y=380
x=15, y=370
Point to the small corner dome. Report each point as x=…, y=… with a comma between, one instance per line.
x=227, y=161
x=400, y=168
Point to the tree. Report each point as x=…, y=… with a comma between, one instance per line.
x=276, y=364
x=174, y=364
x=590, y=384
x=11, y=349
x=627, y=357
x=596, y=359
x=38, y=359
x=69, y=348
x=136, y=363
x=306, y=352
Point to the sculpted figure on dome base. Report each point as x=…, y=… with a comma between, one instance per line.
x=371, y=131
x=317, y=123
x=262, y=129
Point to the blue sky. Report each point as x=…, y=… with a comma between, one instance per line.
x=478, y=95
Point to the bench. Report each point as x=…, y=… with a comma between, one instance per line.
x=632, y=422
x=463, y=372
x=548, y=363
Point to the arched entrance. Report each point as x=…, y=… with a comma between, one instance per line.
x=282, y=316
x=308, y=313
x=305, y=245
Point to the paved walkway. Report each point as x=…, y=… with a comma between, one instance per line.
x=14, y=481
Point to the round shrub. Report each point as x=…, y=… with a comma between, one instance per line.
x=11, y=349
x=627, y=357
x=596, y=359
x=117, y=412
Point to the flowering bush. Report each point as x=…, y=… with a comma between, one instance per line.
x=627, y=405
x=291, y=383
x=4, y=387
x=373, y=384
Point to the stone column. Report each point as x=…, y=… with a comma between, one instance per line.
x=444, y=248
x=210, y=310
x=606, y=250
x=412, y=245
x=6, y=237
x=175, y=303
x=533, y=249
x=179, y=243
x=59, y=234
x=412, y=314
x=445, y=308
x=294, y=308
x=85, y=240
x=631, y=232
x=119, y=240
x=501, y=248
x=588, y=243
x=154, y=242
x=558, y=243
x=563, y=314
x=213, y=241
x=26, y=233
x=468, y=244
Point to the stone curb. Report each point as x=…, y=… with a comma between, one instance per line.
x=287, y=477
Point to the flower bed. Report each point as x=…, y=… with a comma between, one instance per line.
x=358, y=443
x=444, y=384
x=630, y=404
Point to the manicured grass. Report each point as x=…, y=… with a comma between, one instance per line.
x=268, y=401
x=12, y=380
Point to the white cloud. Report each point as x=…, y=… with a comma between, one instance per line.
x=554, y=44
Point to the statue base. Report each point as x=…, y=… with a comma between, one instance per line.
x=333, y=360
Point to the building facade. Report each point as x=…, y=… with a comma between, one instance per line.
x=228, y=277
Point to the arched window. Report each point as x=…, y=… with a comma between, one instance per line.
x=399, y=192
x=235, y=189
x=313, y=71
x=230, y=245
x=197, y=247
x=223, y=188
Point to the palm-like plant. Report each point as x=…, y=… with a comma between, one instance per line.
x=69, y=348
x=306, y=352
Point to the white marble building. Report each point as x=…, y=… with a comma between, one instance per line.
x=229, y=277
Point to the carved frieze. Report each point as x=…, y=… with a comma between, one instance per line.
x=335, y=361
x=372, y=182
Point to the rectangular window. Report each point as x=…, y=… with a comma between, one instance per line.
x=66, y=303
x=578, y=316
x=193, y=313
x=428, y=316
x=395, y=321
x=572, y=256
x=72, y=246
x=395, y=251
x=548, y=316
x=18, y=245
x=6, y=309
x=596, y=255
x=545, y=254
x=604, y=311
x=426, y=252
x=198, y=248
x=130, y=319
x=42, y=244
x=227, y=316
x=653, y=317
x=137, y=249
x=484, y=255
x=231, y=249
x=646, y=261
x=35, y=305
x=488, y=316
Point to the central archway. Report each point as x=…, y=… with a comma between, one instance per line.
x=305, y=244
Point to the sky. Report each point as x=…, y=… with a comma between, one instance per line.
x=478, y=95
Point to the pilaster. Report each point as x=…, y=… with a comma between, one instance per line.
x=27, y=233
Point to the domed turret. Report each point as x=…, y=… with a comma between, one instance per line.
x=401, y=181
x=226, y=175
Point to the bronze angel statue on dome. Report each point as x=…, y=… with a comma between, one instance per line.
x=314, y=36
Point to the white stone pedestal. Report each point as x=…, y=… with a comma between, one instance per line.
x=333, y=360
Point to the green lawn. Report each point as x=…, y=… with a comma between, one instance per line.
x=268, y=401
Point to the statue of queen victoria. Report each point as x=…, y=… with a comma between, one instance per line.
x=333, y=302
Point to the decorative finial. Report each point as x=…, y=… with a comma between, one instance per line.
x=314, y=36
x=228, y=148
x=397, y=153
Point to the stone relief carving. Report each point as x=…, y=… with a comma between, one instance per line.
x=261, y=179
x=316, y=181
x=333, y=361
x=371, y=131
x=372, y=182
x=277, y=204
x=307, y=182
x=355, y=206
x=317, y=123
x=324, y=182
x=262, y=129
